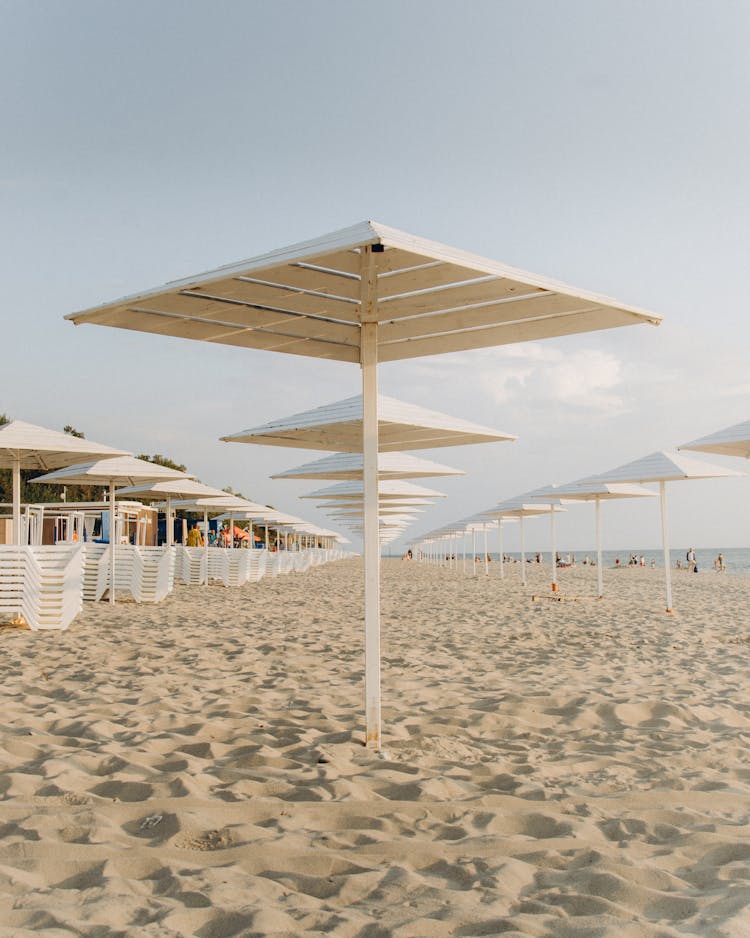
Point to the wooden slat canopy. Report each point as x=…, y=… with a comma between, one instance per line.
x=392, y=465
x=305, y=300
x=338, y=427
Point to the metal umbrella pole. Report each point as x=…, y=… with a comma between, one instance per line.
x=112, y=542
x=599, y=572
x=665, y=543
x=554, y=549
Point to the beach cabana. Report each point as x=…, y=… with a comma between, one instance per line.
x=597, y=493
x=663, y=467
x=168, y=489
x=366, y=294
x=27, y=446
x=120, y=470
x=732, y=441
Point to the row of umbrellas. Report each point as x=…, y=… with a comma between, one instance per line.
x=625, y=481
x=401, y=426
x=84, y=462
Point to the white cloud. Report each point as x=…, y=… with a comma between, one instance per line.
x=585, y=379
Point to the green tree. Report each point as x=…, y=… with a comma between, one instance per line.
x=165, y=461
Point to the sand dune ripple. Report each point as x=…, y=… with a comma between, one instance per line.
x=550, y=769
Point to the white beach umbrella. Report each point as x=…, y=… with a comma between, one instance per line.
x=366, y=294
x=27, y=446
x=183, y=488
x=338, y=427
x=732, y=441
x=597, y=493
x=662, y=467
x=521, y=506
x=343, y=466
x=387, y=489
x=382, y=502
x=350, y=511
x=120, y=470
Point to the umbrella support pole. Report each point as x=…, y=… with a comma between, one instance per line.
x=523, y=557
x=205, y=544
x=486, y=555
x=500, y=546
x=553, y=539
x=112, y=542
x=17, y=501
x=665, y=543
x=599, y=572
x=369, y=365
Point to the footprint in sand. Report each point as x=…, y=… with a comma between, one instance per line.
x=206, y=840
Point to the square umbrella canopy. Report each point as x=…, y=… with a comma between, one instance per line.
x=355, y=502
x=662, y=467
x=338, y=427
x=120, y=470
x=387, y=489
x=27, y=446
x=366, y=294
x=391, y=465
x=732, y=441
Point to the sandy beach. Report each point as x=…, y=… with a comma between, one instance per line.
x=549, y=769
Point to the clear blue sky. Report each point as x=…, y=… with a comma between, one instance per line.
x=601, y=143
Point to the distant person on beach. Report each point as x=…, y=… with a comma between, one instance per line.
x=653, y=563
x=691, y=561
x=719, y=564
x=678, y=564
